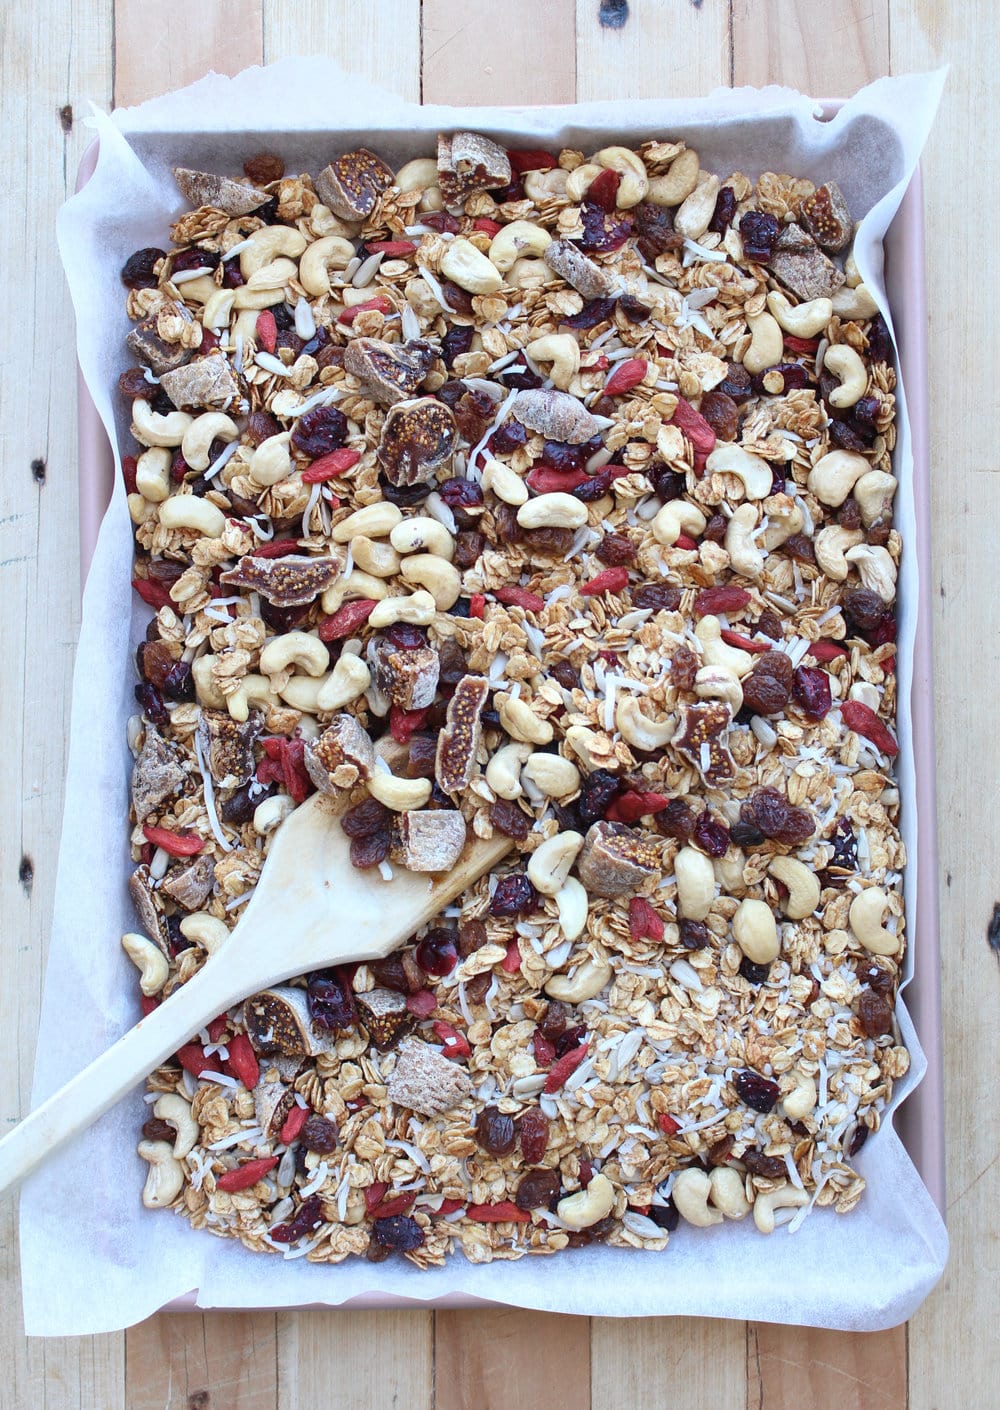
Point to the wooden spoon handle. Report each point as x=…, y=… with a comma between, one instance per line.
x=91, y=1092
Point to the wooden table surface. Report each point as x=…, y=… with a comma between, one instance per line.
x=57, y=56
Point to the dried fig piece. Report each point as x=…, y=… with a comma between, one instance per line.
x=702, y=738
x=571, y=264
x=151, y=923
x=388, y=372
x=154, y=352
x=429, y=840
x=418, y=438
x=342, y=756
x=156, y=775
x=801, y=265
x=385, y=1015
x=205, y=382
x=228, y=746
x=467, y=163
x=408, y=678
x=203, y=188
x=293, y=581
x=615, y=860
x=352, y=184
x=555, y=415
x=458, y=743
x=190, y=886
x=425, y=1081
x=272, y=1101
x=278, y=1022
x=827, y=217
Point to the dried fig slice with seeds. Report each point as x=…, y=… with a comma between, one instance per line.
x=827, y=218
x=352, y=184
x=702, y=738
x=228, y=746
x=799, y=264
x=388, y=372
x=570, y=263
x=203, y=188
x=342, y=756
x=418, y=438
x=293, y=581
x=615, y=860
x=467, y=163
x=458, y=743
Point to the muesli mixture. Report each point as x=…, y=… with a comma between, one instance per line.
x=571, y=474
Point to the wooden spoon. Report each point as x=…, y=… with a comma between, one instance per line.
x=311, y=909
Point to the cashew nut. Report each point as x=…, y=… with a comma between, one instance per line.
x=302, y=693
x=467, y=267
x=299, y=649
x=218, y=307
x=695, y=879
x=267, y=243
x=728, y=1193
x=246, y=297
x=874, y=494
x=692, y=217
x=271, y=276
x=766, y=343
x=504, y=768
x=375, y=521
x=556, y=510
x=348, y=680
x=784, y=518
x=173, y=1109
x=518, y=238
x=867, y=910
x=801, y=320
x=152, y=474
x=785, y=1197
x=422, y=533
x=166, y=1175
x=678, y=516
x=716, y=652
x=854, y=303
x=800, y=1102
x=571, y=903
x=197, y=439
x=505, y=483
x=555, y=776
x=744, y=555
x=188, y=511
x=830, y=547
x=731, y=459
x=331, y=252
x=719, y=683
x=588, y=1206
x=802, y=884
x=417, y=174
x=878, y=572
x=587, y=982
x=528, y=274
x=272, y=460
x=150, y=428
x=549, y=865
x=149, y=960
x=205, y=930
x=867, y=694
x=542, y=186
x=580, y=179
x=270, y=814
x=852, y=275
x=755, y=931
x=356, y=584
x=690, y=1192
x=379, y=559
x=844, y=363
x=634, y=181
x=399, y=794
x=441, y=579
x=520, y=721
x=562, y=352
x=418, y=609
x=677, y=183
x=638, y=729
x=205, y=689
x=834, y=476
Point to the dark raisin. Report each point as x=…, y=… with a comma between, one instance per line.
x=537, y=1189
x=879, y=342
x=721, y=413
x=844, y=436
x=366, y=817
x=478, y=987
x=597, y=792
x=137, y=271
x=520, y=378
x=452, y=665
x=694, y=934
x=369, y=851
x=565, y=673
x=506, y=529
x=437, y=953
x=154, y=660
x=665, y=1216
x=594, y=311
x=754, y=973
x=863, y=608
x=398, y=1232
x=879, y=534
x=261, y=426
x=767, y=688
x=263, y=168
x=711, y=835
x=633, y=309
x=308, y=1217
x=675, y=820
x=781, y=378
x=745, y=834
x=654, y=231
x=156, y=1130
x=473, y=414
x=683, y=668
x=770, y=811
x=849, y=514
x=570, y=1040
x=393, y=972
x=800, y=547
x=811, y=688
x=715, y=529
x=547, y=543
x=737, y=383
x=133, y=384
x=845, y=846
x=320, y=431
x=240, y=807
x=554, y=1021
x=758, y=231
x=404, y=496
x=720, y=1152
x=757, y=1091
x=874, y=975
x=319, y=1134
x=331, y=1003
x=459, y=299
x=472, y=936
x=533, y=1134
x=769, y=625
x=507, y=818
x=469, y=545
x=768, y=1167
x=603, y=232
x=725, y=209
x=616, y=549
x=657, y=597
x=495, y=1131
x=456, y=341
x=668, y=484
x=451, y=392
x=874, y=1014
x=858, y=1138
x=514, y=896
x=422, y=756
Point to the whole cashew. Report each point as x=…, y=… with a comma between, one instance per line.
x=802, y=884
x=677, y=183
x=755, y=931
x=731, y=459
x=332, y=252
x=166, y=1175
x=562, y=352
x=638, y=729
x=728, y=1193
x=634, y=181
x=588, y=1206
x=299, y=649
x=272, y=460
x=270, y=814
x=199, y=290
x=504, y=768
x=695, y=879
x=422, y=533
x=678, y=516
x=172, y=1108
x=527, y=273
x=800, y=1102
x=784, y=518
x=549, y=865
x=215, y=314
x=801, y=320
x=267, y=243
x=150, y=428
x=348, y=680
x=878, y=572
x=197, y=439
x=358, y=584
x=692, y=217
x=379, y=559
x=716, y=652
x=571, y=903
x=505, y=483
x=542, y=186
x=852, y=275
x=830, y=547
x=874, y=494
x=271, y=276
x=205, y=930
x=744, y=555
x=555, y=776
x=834, y=476
x=441, y=579
x=844, y=363
x=764, y=1206
x=376, y=521
x=520, y=237
x=588, y=981
x=205, y=689
x=188, y=511
x=417, y=174
x=399, y=794
x=867, y=910
x=149, y=960
x=245, y=298
x=719, y=683
x=467, y=267
x=152, y=474
x=580, y=180
x=302, y=693
x=418, y=609
x=556, y=510
x=690, y=1192
x=766, y=343
x=854, y=303
x=520, y=721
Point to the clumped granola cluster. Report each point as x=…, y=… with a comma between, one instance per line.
x=570, y=477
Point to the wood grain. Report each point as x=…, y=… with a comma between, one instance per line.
x=796, y=1366
x=379, y=39
x=159, y=47
x=675, y=50
x=498, y=1358
x=645, y=1362
x=199, y=1362
x=828, y=49
x=355, y=1360
x=476, y=51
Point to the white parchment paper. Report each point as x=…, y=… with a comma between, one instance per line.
x=92, y=1258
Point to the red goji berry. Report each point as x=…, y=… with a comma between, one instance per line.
x=686, y=542
x=374, y=1194
x=600, y=363
x=586, y=1173
x=403, y=723
x=603, y=190
x=744, y=643
x=155, y=594
x=864, y=721
x=267, y=330
x=667, y=1124
x=346, y=619
x=246, y=1175
x=489, y=227
x=294, y=1122
x=422, y=1004
x=644, y=923
x=519, y=597
x=242, y=1062
x=148, y=1003
x=389, y=1207
x=511, y=961
x=544, y=1050
x=328, y=467
x=277, y=548
x=193, y=1058
x=544, y=480
x=449, y=1206
x=627, y=374
x=129, y=468
x=531, y=161
x=456, y=1045
x=720, y=599
x=293, y=768
x=631, y=806
x=697, y=430
x=379, y=302
x=270, y=771
x=611, y=580
x=826, y=650
x=566, y=1065
x=394, y=249
x=175, y=844
x=146, y=853
x=217, y=1027
x=800, y=345
x=506, y=1211
x=477, y=605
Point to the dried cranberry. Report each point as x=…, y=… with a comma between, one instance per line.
x=721, y=413
x=863, y=608
x=811, y=688
x=594, y=311
x=152, y=703
x=767, y=1167
x=665, y=1216
x=597, y=792
x=514, y=896
x=308, y=1217
x=758, y=231
x=857, y=1140
x=331, y=1003
x=461, y=494
x=194, y=258
x=519, y=377
x=654, y=231
x=757, y=1091
x=133, y=384
x=767, y=688
x=781, y=378
x=616, y=549
x=684, y=668
x=603, y=231
x=437, y=953
x=845, y=846
x=657, y=597
x=879, y=341
x=137, y=272
x=676, y=820
x=596, y=487
x=874, y=1014
x=319, y=1134
x=562, y=456
x=508, y=438
x=570, y=1039
x=472, y=936
x=440, y=221
x=398, y=1232
x=694, y=934
x=755, y=973
x=725, y=209
x=668, y=484
x=404, y=636
x=365, y=817
x=537, y=1189
x=495, y=1131
x=533, y=1133
x=319, y=431
x=456, y=341
x=633, y=309
x=737, y=383
x=507, y=818
x=711, y=835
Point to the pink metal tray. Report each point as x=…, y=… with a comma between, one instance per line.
x=920, y=1118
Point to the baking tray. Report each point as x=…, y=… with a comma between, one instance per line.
x=920, y=1118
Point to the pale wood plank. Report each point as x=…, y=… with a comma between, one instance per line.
x=159, y=47
x=802, y=1366
x=355, y=1360
x=54, y=56
x=828, y=50
x=379, y=39
x=646, y=1362
x=197, y=1362
x=675, y=50
x=966, y=517
x=479, y=52
x=500, y=1358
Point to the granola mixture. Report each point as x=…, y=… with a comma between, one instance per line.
x=571, y=473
